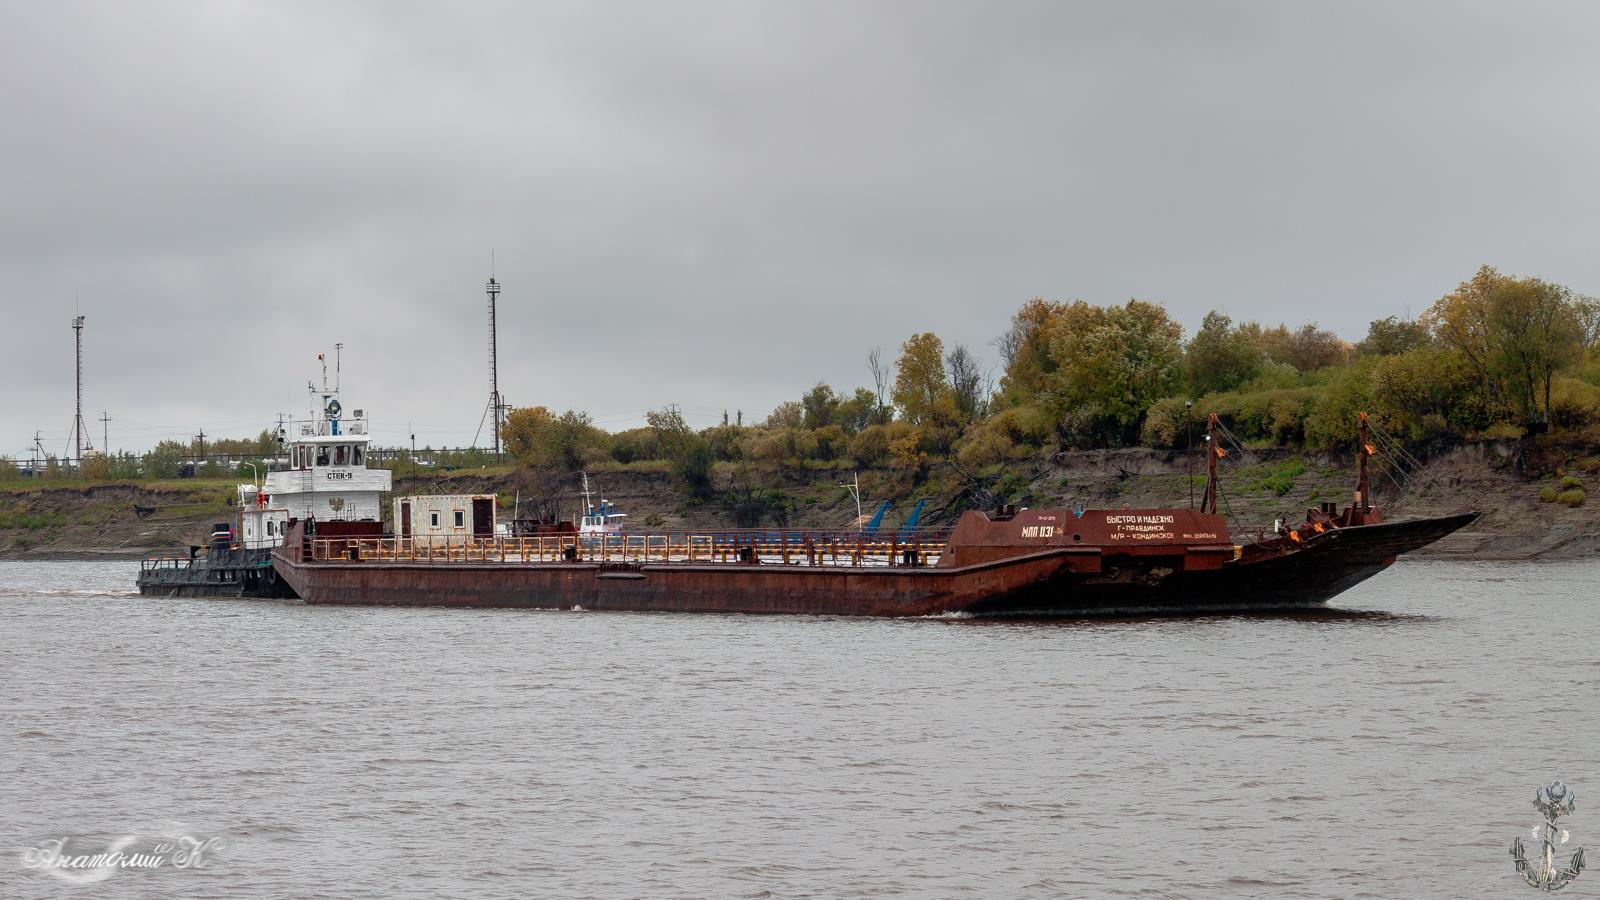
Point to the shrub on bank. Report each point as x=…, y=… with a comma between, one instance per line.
x=1548, y=494
x=1274, y=416
x=1573, y=403
x=1573, y=498
x=1167, y=424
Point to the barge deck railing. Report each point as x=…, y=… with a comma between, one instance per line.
x=823, y=549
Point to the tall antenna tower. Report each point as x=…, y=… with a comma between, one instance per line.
x=493, y=290
x=77, y=423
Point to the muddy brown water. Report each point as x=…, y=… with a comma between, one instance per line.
x=1386, y=747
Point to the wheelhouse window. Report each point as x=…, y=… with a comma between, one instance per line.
x=341, y=455
x=322, y=455
x=433, y=519
x=461, y=519
x=357, y=455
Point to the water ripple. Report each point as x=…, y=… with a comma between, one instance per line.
x=425, y=753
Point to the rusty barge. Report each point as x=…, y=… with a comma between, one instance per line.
x=1029, y=562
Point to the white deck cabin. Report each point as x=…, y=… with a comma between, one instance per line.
x=446, y=515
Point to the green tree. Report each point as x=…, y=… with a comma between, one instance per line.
x=1029, y=348
x=1463, y=321
x=1313, y=349
x=1334, y=410
x=540, y=440
x=1025, y=349
x=165, y=459
x=577, y=442
x=1110, y=372
x=819, y=407
x=1307, y=348
x=1427, y=390
x=1220, y=357
x=1544, y=331
x=686, y=451
x=726, y=441
x=788, y=414
x=1517, y=333
x=526, y=434
x=921, y=390
x=830, y=442
x=858, y=411
x=635, y=445
x=871, y=447
x=1392, y=336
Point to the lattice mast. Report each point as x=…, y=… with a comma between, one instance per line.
x=77, y=421
x=495, y=404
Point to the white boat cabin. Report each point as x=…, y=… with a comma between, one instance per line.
x=325, y=477
x=259, y=524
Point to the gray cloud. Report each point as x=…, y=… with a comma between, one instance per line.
x=718, y=204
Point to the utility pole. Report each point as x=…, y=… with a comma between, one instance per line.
x=493, y=290
x=201, y=461
x=38, y=453
x=77, y=422
x=105, y=432
x=854, y=486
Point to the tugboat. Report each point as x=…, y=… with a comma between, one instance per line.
x=602, y=521
x=1040, y=562
x=323, y=481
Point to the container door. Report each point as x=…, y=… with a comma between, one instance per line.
x=482, y=517
x=405, y=518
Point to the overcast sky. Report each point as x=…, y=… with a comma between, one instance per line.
x=719, y=204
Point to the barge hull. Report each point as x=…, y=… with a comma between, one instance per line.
x=665, y=588
x=1054, y=582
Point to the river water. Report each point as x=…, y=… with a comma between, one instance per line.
x=1387, y=748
